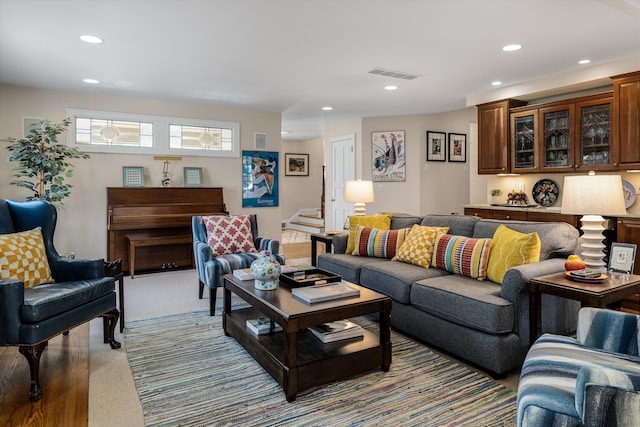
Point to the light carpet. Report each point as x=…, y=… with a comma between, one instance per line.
x=188, y=373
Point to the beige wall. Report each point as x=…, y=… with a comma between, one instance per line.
x=302, y=192
x=82, y=224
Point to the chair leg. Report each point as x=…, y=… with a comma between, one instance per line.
x=33, y=353
x=112, y=317
x=212, y=301
x=200, y=289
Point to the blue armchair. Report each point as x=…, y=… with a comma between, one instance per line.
x=31, y=316
x=593, y=380
x=211, y=268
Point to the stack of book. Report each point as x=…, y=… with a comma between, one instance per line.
x=262, y=326
x=336, y=331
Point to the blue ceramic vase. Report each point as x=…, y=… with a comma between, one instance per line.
x=266, y=271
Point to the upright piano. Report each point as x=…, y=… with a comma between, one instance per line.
x=164, y=216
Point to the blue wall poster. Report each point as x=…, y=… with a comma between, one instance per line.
x=259, y=179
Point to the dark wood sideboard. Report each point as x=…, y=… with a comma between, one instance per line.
x=157, y=212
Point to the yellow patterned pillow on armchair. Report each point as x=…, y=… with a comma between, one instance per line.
x=23, y=257
x=418, y=246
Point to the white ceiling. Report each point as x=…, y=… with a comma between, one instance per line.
x=294, y=57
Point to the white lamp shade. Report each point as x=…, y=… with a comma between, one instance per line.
x=593, y=195
x=362, y=192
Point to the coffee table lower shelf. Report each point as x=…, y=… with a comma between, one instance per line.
x=316, y=363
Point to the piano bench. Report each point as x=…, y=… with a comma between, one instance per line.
x=146, y=238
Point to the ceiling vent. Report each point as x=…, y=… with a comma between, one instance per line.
x=394, y=74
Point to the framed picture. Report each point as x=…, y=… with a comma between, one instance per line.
x=436, y=148
x=296, y=164
x=192, y=177
x=259, y=179
x=388, y=156
x=29, y=124
x=133, y=176
x=622, y=257
x=457, y=147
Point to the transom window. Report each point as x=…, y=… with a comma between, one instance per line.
x=110, y=132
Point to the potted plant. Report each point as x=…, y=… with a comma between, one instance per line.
x=42, y=162
x=495, y=196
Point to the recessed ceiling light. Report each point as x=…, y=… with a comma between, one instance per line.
x=496, y=83
x=327, y=108
x=512, y=47
x=584, y=61
x=91, y=39
x=391, y=87
x=91, y=81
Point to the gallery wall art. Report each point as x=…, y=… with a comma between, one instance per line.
x=388, y=156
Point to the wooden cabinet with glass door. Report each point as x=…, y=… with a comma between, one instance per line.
x=557, y=138
x=593, y=124
x=626, y=116
x=524, y=141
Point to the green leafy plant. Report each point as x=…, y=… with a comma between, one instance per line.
x=496, y=192
x=42, y=162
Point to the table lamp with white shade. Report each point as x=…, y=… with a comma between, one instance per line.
x=593, y=196
x=359, y=192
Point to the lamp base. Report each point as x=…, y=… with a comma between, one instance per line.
x=592, y=246
x=359, y=208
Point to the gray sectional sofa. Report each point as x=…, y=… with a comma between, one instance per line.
x=483, y=322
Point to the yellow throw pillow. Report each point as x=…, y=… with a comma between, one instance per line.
x=381, y=222
x=417, y=248
x=509, y=249
x=23, y=257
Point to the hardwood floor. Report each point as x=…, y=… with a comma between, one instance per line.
x=64, y=376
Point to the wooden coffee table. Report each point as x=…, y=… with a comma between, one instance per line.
x=294, y=357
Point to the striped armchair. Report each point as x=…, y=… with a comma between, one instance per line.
x=592, y=380
x=211, y=268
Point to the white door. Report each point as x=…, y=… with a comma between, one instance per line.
x=342, y=170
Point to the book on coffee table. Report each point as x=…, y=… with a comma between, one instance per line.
x=262, y=326
x=325, y=292
x=243, y=274
x=336, y=331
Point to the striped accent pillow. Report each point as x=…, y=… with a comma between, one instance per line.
x=462, y=255
x=374, y=242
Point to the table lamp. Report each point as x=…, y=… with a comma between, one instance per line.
x=360, y=192
x=593, y=196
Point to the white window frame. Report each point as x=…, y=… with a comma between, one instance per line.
x=160, y=134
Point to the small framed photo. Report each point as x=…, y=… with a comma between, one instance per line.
x=133, y=176
x=296, y=164
x=192, y=177
x=436, y=146
x=457, y=147
x=622, y=257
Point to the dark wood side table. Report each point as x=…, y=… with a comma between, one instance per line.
x=327, y=239
x=114, y=269
x=592, y=295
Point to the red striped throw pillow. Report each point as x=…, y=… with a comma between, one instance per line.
x=378, y=243
x=462, y=255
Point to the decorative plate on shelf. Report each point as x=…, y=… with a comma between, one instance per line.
x=545, y=192
x=629, y=193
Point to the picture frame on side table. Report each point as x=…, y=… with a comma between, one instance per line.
x=192, y=177
x=296, y=164
x=622, y=257
x=133, y=176
x=457, y=147
x=436, y=146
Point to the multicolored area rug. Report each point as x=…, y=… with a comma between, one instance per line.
x=187, y=372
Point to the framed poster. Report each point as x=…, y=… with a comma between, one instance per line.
x=457, y=147
x=192, y=177
x=388, y=156
x=622, y=257
x=133, y=176
x=436, y=148
x=296, y=164
x=259, y=179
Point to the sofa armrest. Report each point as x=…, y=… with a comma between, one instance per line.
x=516, y=279
x=71, y=270
x=598, y=386
x=339, y=243
x=609, y=330
x=11, y=301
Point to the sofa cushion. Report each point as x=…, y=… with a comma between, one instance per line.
x=509, y=249
x=461, y=225
x=229, y=234
x=45, y=301
x=345, y=265
x=400, y=220
x=462, y=255
x=395, y=279
x=378, y=243
x=380, y=221
x=417, y=248
x=557, y=239
x=466, y=302
x=23, y=257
